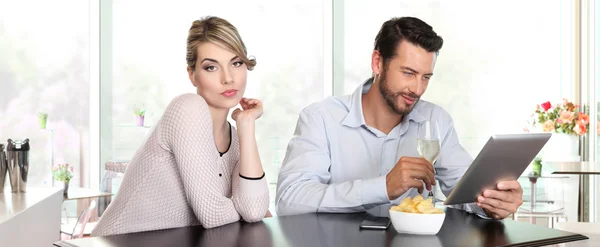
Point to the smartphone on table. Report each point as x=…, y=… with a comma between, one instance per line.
x=375, y=223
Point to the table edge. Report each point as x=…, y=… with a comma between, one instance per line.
x=550, y=241
x=62, y=243
x=87, y=197
x=576, y=173
x=545, y=242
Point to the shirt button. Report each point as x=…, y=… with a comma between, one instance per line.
x=220, y=174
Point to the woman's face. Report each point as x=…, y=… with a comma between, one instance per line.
x=219, y=76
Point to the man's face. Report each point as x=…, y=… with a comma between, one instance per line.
x=405, y=76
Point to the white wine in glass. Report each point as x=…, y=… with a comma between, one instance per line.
x=429, y=149
x=428, y=142
x=428, y=146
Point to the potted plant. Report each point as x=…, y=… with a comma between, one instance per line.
x=567, y=123
x=537, y=166
x=140, y=113
x=42, y=119
x=64, y=173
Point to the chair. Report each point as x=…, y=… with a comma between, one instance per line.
x=64, y=220
x=113, y=169
x=77, y=230
x=547, y=203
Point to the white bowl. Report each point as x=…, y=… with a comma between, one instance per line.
x=422, y=224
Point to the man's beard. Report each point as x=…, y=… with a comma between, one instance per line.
x=390, y=97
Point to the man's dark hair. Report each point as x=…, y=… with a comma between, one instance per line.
x=411, y=29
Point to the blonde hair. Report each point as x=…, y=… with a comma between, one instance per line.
x=219, y=31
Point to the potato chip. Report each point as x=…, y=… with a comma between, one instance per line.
x=433, y=211
x=422, y=207
x=417, y=205
x=406, y=202
x=427, y=202
x=418, y=198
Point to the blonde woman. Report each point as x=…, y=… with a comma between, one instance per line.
x=195, y=167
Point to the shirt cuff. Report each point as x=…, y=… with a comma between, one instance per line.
x=374, y=191
x=474, y=209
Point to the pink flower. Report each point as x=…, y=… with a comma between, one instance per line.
x=569, y=105
x=580, y=129
x=567, y=116
x=548, y=126
x=546, y=105
x=71, y=169
x=583, y=118
x=559, y=121
x=537, y=107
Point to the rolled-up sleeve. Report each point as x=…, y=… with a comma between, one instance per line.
x=303, y=185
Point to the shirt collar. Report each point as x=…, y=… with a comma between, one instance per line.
x=355, y=117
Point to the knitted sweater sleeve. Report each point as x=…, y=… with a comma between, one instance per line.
x=186, y=131
x=250, y=196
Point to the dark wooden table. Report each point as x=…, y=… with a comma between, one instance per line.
x=459, y=229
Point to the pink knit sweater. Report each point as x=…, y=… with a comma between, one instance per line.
x=178, y=178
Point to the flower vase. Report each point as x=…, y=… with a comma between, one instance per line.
x=42, y=120
x=561, y=148
x=537, y=168
x=139, y=120
x=66, y=189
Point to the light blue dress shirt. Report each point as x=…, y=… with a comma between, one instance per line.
x=337, y=163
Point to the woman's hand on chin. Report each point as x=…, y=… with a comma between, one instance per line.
x=252, y=109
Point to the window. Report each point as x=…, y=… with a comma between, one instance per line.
x=45, y=68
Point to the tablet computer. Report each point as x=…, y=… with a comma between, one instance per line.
x=504, y=157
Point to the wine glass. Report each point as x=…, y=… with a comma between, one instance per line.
x=428, y=145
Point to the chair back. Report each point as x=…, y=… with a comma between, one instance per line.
x=83, y=220
x=113, y=170
x=549, y=195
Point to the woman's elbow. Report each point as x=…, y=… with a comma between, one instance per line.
x=252, y=209
x=211, y=223
x=216, y=219
x=254, y=216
